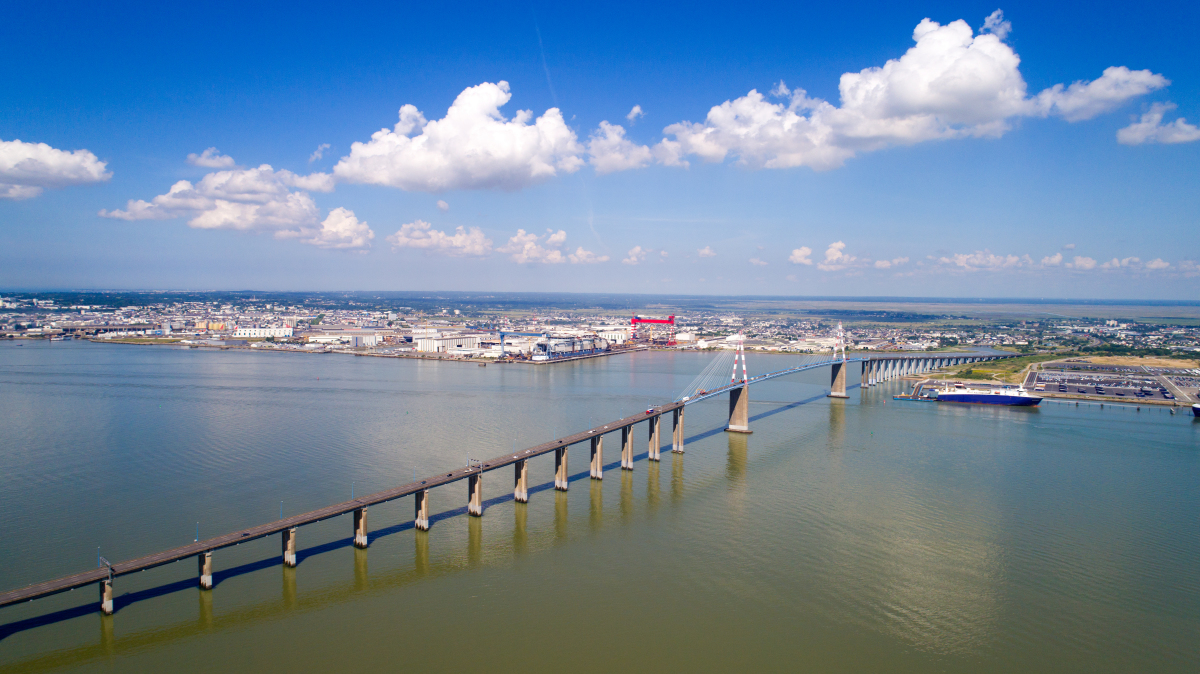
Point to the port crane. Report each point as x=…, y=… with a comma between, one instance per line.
x=669, y=321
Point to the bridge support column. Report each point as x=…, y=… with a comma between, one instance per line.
x=560, y=469
x=421, y=521
x=626, y=448
x=739, y=410
x=655, y=437
x=837, y=381
x=475, y=494
x=106, y=596
x=289, y=547
x=598, y=457
x=520, y=482
x=677, y=432
x=360, y=528
x=205, y=560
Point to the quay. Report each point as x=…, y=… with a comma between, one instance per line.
x=874, y=370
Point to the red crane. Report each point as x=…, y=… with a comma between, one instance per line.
x=669, y=321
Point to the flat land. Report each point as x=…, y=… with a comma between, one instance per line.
x=1148, y=361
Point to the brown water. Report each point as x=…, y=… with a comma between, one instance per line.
x=859, y=535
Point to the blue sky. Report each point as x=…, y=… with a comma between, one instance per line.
x=884, y=165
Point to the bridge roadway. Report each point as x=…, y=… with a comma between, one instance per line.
x=263, y=530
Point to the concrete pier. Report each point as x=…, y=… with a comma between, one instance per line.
x=677, y=431
x=360, y=528
x=626, y=448
x=421, y=521
x=837, y=381
x=289, y=547
x=598, y=457
x=205, y=560
x=520, y=482
x=739, y=410
x=475, y=494
x=560, y=469
x=106, y=596
x=655, y=437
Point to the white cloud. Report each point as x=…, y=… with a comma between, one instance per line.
x=318, y=153
x=611, y=151
x=801, y=256
x=1157, y=263
x=836, y=258
x=340, y=229
x=1150, y=129
x=581, y=256
x=706, y=251
x=526, y=248
x=996, y=25
x=1052, y=260
x=757, y=262
x=888, y=264
x=472, y=147
x=1115, y=263
x=1080, y=262
x=211, y=158
x=252, y=199
x=634, y=114
x=443, y=206
x=985, y=260
x=421, y=235
x=1069, y=246
x=636, y=254
x=27, y=168
x=951, y=84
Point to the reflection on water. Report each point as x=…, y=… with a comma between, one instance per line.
x=858, y=534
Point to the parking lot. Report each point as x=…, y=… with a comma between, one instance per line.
x=1116, y=384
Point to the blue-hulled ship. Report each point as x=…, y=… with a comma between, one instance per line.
x=996, y=396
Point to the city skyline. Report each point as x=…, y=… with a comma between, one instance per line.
x=948, y=151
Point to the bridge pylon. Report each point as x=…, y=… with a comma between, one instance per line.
x=837, y=380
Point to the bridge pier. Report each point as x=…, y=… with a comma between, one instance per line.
x=626, y=448
x=655, y=437
x=520, y=482
x=837, y=383
x=677, y=431
x=475, y=494
x=739, y=410
x=560, y=469
x=421, y=521
x=289, y=547
x=360, y=528
x=106, y=596
x=598, y=457
x=205, y=560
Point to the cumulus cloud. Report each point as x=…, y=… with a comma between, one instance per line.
x=1069, y=246
x=1117, y=263
x=525, y=247
x=318, y=153
x=757, y=262
x=888, y=264
x=253, y=199
x=1157, y=264
x=28, y=168
x=211, y=158
x=951, y=84
x=636, y=254
x=996, y=25
x=801, y=256
x=985, y=260
x=1150, y=129
x=340, y=229
x=581, y=256
x=462, y=243
x=443, y=206
x=473, y=147
x=609, y=150
x=1080, y=262
x=1052, y=260
x=634, y=114
x=836, y=258
x=706, y=251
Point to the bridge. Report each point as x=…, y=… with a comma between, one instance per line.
x=711, y=382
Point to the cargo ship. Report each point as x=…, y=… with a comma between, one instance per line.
x=995, y=396
x=1196, y=410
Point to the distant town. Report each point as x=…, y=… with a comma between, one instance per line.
x=473, y=330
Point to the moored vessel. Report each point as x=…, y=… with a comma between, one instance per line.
x=995, y=396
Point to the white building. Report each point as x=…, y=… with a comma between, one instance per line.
x=444, y=343
x=263, y=332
